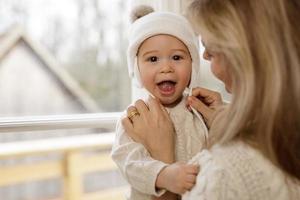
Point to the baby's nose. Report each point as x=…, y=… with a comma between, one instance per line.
x=167, y=67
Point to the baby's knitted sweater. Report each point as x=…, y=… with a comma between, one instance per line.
x=136, y=164
x=236, y=171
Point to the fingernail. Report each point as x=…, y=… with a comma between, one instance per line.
x=193, y=98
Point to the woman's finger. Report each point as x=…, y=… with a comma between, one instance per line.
x=141, y=107
x=129, y=129
x=209, y=97
x=128, y=126
x=132, y=113
x=200, y=107
x=199, y=91
x=164, y=110
x=155, y=107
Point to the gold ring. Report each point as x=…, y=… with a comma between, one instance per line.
x=132, y=114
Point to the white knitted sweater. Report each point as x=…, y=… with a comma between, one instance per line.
x=237, y=171
x=136, y=164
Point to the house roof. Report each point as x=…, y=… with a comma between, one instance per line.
x=16, y=34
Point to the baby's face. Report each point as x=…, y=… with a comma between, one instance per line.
x=165, y=67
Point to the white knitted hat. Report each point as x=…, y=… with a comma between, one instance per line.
x=156, y=23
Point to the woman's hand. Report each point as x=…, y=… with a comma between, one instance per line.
x=153, y=128
x=205, y=102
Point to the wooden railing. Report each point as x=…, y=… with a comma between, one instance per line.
x=75, y=162
x=71, y=168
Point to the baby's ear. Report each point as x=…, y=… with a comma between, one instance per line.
x=140, y=11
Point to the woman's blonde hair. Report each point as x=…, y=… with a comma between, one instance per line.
x=260, y=40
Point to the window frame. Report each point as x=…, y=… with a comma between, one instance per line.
x=58, y=122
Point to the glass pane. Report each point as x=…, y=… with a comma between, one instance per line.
x=63, y=57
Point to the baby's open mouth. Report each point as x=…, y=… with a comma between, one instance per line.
x=167, y=87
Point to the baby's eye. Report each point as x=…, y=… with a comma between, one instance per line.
x=152, y=59
x=177, y=57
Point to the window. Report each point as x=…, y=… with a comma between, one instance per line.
x=60, y=61
x=63, y=57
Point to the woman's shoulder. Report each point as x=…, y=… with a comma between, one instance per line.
x=237, y=171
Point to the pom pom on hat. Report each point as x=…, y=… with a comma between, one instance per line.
x=140, y=11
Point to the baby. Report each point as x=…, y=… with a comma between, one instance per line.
x=163, y=58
